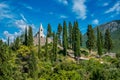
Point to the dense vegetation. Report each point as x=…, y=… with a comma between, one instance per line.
x=21, y=60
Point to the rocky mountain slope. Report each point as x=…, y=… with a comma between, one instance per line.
x=114, y=27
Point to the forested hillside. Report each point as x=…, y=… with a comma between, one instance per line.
x=63, y=58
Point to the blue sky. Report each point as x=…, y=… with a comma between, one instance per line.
x=15, y=15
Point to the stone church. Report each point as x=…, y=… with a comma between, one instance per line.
x=42, y=37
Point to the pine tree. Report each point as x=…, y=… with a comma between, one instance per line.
x=30, y=36
x=108, y=41
x=49, y=31
x=99, y=43
x=59, y=32
x=90, y=44
x=65, y=40
x=70, y=34
x=26, y=37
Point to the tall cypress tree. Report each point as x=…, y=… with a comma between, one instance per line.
x=49, y=31
x=8, y=41
x=73, y=36
x=46, y=48
x=80, y=38
x=108, y=41
x=16, y=44
x=76, y=40
x=102, y=42
x=59, y=32
x=26, y=37
x=65, y=40
x=55, y=39
x=39, y=46
x=33, y=66
x=90, y=44
x=70, y=34
x=99, y=43
x=30, y=36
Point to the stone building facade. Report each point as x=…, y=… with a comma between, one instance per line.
x=42, y=37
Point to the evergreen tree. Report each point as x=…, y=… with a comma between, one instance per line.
x=26, y=37
x=65, y=40
x=49, y=31
x=59, y=32
x=55, y=46
x=101, y=36
x=30, y=36
x=76, y=40
x=80, y=38
x=33, y=66
x=99, y=43
x=70, y=34
x=73, y=36
x=108, y=41
x=16, y=44
x=46, y=48
x=8, y=41
x=39, y=46
x=90, y=44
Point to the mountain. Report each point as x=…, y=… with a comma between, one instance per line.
x=114, y=27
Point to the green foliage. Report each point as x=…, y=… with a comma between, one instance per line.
x=46, y=49
x=99, y=42
x=5, y=66
x=76, y=41
x=59, y=32
x=65, y=39
x=108, y=41
x=26, y=37
x=70, y=34
x=55, y=46
x=30, y=36
x=16, y=44
x=90, y=44
x=49, y=31
x=33, y=66
x=39, y=47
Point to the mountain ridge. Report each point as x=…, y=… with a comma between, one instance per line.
x=114, y=27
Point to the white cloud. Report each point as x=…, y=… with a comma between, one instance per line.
x=63, y=16
x=21, y=24
x=65, y=2
x=11, y=36
x=115, y=8
x=95, y=21
x=80, y=8
x=4, y=40
x=27, y=6
x=106, y=4
x=5, y=11
x=23, y=17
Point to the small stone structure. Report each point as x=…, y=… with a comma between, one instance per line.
x=42, y=37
